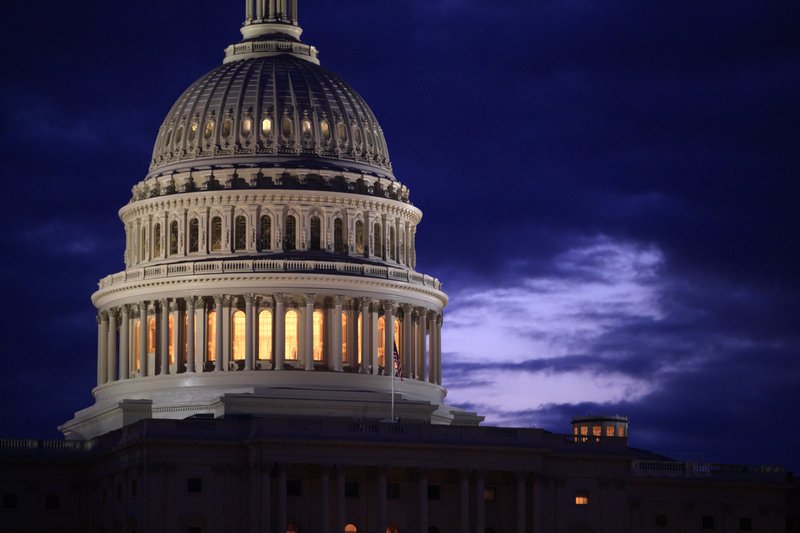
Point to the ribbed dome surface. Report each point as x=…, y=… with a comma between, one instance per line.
x=271, y=111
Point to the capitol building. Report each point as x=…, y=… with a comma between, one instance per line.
x=269, y=359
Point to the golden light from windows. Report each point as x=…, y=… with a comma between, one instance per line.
x=358, y=338
x=350, y=528
x=211, y=351
x=239, y=336
x=151, y=336
x=266, y=126
x=227, y=126
x=597, y=431
x=344, y=337
x=265, y=334
x=319, y=328
x=247, y=126
x=381, y=344
x=609, y=431
x=137, y=344
x=397, y=333
x=325, y=129
x=291, y=324
x=171, y=338
x=192, y=131
x=621, y=432
x=582, y=498
x=209, y=129
x=306, y=124
x=584, y=430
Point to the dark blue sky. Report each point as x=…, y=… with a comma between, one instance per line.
x=610, y=192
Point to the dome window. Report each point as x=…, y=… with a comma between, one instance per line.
x=239, y=330
x=286, y=127
x=157, y=240
x=179, y=133
x=319, y=327
x=168, y=139
x=316, y=231
x=360, y=249
x=338, y=237
x=306, y=125
x=290, y=243
x=291, y=326
x=194, y=233
x=227, y=126
x=392, y=244
x=378, y=241
x=266, y=126
x=211, y=328
x=173, y=237
x=359, y=140
x=341, y=132
x=247, y=126
x=325, y=129
x=209, y=129
x=240, y=233
x=265, y=335
x=193, y=131
x=265, y=233
x=216, y=234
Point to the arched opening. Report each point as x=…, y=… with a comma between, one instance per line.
x=382, y=342
x=240, y=233
x=292, y=528
x=208, y=131
x=360, y=248
x=350, y=528
x=344, y=338
x=392, y=244
x=378, y=240
x=173, y=237
x=316, y=230
x=194, y=235
x=211, y=345
x=290, y=347
x=290, y=242
x=151, y=335
x=265, y=334
x=239, y=337
x=325, y=129
x=143, y=245
x=157, y=240
x=319, y=328
x=391, y=528
x=247, y=127
x=216, y=234
x=265, y=233
x=227, y=126
x=306, y=126
x=286, y=127
x=171, y=339
x=358, y=337
x=137, y=343
x=266, y=126
x=338, y=237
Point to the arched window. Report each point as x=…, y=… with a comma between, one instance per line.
x=265, y=233
x=286, y=127
x=358, y=337
x=319, y=328
x=227, y=126
x=208, y=131
x=292, y=528
x=306, y=125
x=291, y=323
x=378, y=240
x=137, y=344
x=143, y=246
x=173, y=237
x=325, y=129
x=240, y=233
x=360, y=248
x=216, y=234
x=381, y=341
x=290, y=242
x=338, y=237
x=344, y=337
x=171, y=341
x=266, y=126
x=192, y=131
x=157, y=240
x=211, y=348
x=194, y=235
x=392, y=244
x=238, y=335
x=316, y=229
x=396, y=336
x=391, y=528
x=151, y=336
x=350, y=528
x=247, y=127
x=265, y=334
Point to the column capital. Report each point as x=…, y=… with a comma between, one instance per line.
x=190, y=302
x=112, y=313
x=338, y=300
x=439, y=319
x=279, y=297
x=173, y=305
x=124, y=310
x=390, y=305
x=265, y=302
x=164, y=303
x=218, y=298
x=249, y=298
x=309, y=298
x=407, y=308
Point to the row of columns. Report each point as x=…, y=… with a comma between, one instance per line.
x=419, y=349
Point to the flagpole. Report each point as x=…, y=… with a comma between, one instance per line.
x=392, y=365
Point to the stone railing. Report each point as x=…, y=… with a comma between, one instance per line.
x=273, y=47
x=693, y=469
x=34, y=445
x=190, y=268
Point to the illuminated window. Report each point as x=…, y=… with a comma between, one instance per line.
x=286, y=127
x=173, y=237
x=344, y=337
x=211, y=348
x=378, y=240
x=137, y=344
x=171, y=340
x=247, y=126
x=192, y=131
x=315, y=233
x=239, y=336
x=292, y=528
x=609, y=431
x=319, y=325
x=582, y=498
x=291, y=234
x=360, y=249
x=584, y=430
x=325, y=129
x=240, y=233
x=621, y=431
x=338, y=236
x=227, y=126
x=575, y=430
x=392, y=244
x=392, y=529
x=266, y=126
x=186, y=333
x=397, y=332
x=216, y=234
x=341, y=132
x=194, y=235
x=209, y=129
x=291, y=335
x=157, y=240
x=350, y=528
x=306, y=125
x=265, y=233
x=358, y=338
x=265, y=334
x=151, y=336
x=597, y=431
x=381, y=341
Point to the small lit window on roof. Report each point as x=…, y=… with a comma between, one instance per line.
x=581, y=498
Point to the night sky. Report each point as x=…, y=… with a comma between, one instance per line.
x=609, y=188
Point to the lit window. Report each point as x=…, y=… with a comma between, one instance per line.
x=171, y=341
x=211, y=349
x=209, y=129
x=151, y=336
x=597, y=431
x=575, y=430
x=358, y=339
x=319, y=324
x=240, y=233
x=216, y=234
x=265, y=233
x=265, y=334
x=392, y=529
x=621, y=431
x=582, y=498
x=192, y=131
x=489, y=494
x=584, y=430
x=397, y=332
x=315, y=233
x=137, y=344
x=291, y=335
x=292, y=528
x=286, y=127
x=325, y=129
x=306, y=124
x=609, y=431
x=350, y=528
x=247, y=126
x=381, y=341
x=227, y=126
x=344, y=337
x=239, y=336
x=266, y=126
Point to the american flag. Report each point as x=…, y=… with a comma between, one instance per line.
x=398, y=368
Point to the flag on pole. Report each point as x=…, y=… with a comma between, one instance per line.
x=398, y=369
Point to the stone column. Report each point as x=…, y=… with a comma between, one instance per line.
x=163, y=335
x=191, y=317
x=434, y=317
x=336, y=335
x=521, y=525
x=388, y=341
x=463, y=497
x=480, y=505
x=280, y=332
x=325, y=499
x=340, y=498
x=143, y=325
x=102, y=347
x=365, y=323
x=124, y=343
x=225, y=333
x=248, y=332
x=422, y=359
x=407, y=351
x=111, y=366
x=438, y=361
x=177, y=325
x=218, y=344
x=382, y=522
x=282, y=474
x=308, y=332
x=422, y=503
x=373, y=338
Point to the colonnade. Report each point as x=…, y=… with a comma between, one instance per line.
x=268, y=332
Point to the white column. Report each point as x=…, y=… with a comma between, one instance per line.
x=308, y=332
x=124, y=344
x=335, y=352
x=164, y=336
x=248, y=318
x=365, y=324
x=423, y=346
x=373, y=337
x=218, y=346
x=388, y=341
x=437, y=363
x=191, y=318
x=177, y=325
x=111, y=366
x=408, y=330
x=280, y=332
x=432, y=348
x=143, y=325
x=102, y=347
x=229, y=304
